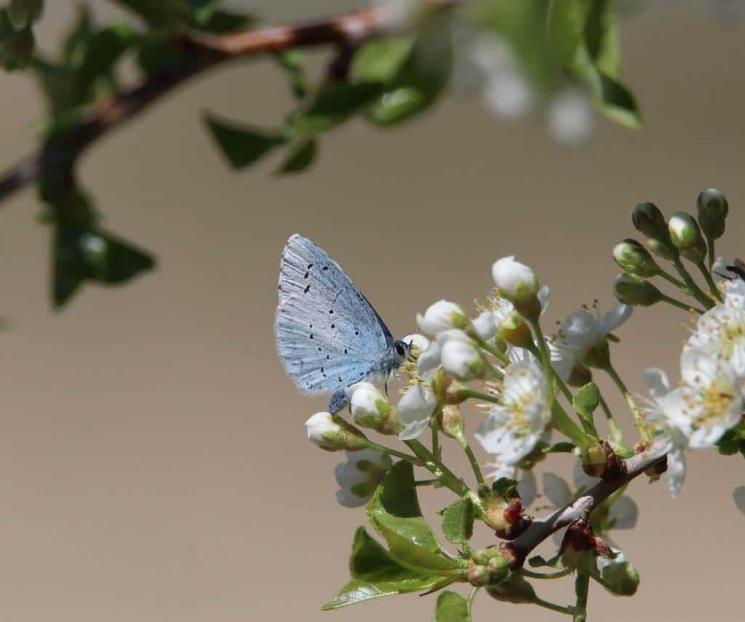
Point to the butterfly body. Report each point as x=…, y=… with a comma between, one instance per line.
x=328, y=335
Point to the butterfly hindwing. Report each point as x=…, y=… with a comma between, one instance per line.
x=328, y=335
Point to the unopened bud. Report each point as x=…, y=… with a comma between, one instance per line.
x=333, y=433
x=370, y=408
x=619, y=575
x=633, y=258
x=504, y=516
x=712, y=212
x=451, y=422
x=514, y=589
x=648, y=219
x=631, y=290
x=684, y=231
x=488, y=567
x=599, y=460
x=462, y=359
x=518, y=283
x=441, y=316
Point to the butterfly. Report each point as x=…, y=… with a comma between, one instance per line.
x=328, y=335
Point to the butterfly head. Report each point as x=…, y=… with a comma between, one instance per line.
x=402, y=350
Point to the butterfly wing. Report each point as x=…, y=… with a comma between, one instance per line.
x=328, y=335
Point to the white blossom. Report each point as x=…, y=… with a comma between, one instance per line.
x=721, y=331
x=322, y=429
x=359, y=476
x=513, y=427
x=484, y=324
x=580, y=332
x=415, y=409
x=416, y=342
x=440, y=316
x=514, y=280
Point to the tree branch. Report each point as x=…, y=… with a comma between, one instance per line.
x=199, y=52
x=581, y=507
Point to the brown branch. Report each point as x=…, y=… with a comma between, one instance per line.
x=581, y=507
x=199, y=52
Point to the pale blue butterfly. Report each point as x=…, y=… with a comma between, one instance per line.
x=328, y=335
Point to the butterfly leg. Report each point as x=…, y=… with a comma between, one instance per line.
x=338, y=401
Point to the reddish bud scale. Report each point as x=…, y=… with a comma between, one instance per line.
x=516, y=521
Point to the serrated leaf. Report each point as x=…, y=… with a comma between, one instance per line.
x=452, y=607
x=375, y=573
x=395, y=514
x=301, y=156
x=242, y=144
x=457, y=521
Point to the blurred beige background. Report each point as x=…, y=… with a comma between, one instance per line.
x=153, y=458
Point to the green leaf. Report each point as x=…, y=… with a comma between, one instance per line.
x=602, y=37
x=452, y=607
x=420, y=79
x=380, y=60
x=103, y=50
x=357, y=591
x=564, y=447
x=394, y=512
x=241, y=144
x=82, y=254
x=334, y=104
x=301, y=157
x=585, y=401
x=375, y=573
x=457, y=521
x=292, y=62
x=156, y=51
x=618, y=102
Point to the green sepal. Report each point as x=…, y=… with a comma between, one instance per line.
x=585, y=401
x=395, y=514
x=457, y=521
x=452, y=607
x=242, y=144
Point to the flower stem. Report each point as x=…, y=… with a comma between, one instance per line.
x=581, y=589
x=398, y=454
x=479, y=395
x=463, y=442
x=561, y=421
x=671, y=279
x=611, y=371
x=710, y=251
x=546, y=575
x=679, y=304
x=553, y=606
x=693, y=289
x=709, y=281
x=437, y=468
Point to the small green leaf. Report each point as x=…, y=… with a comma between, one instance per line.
x=618, y=103
x=452, y=607
x=334, y=104
x=241, y=144
x=457, y=521
x=104, y=49
x=301, y=157
x=357, y=591
x=292, y=63
x=420, y=79
x=585, y=401
x=395, y=514
x=380, y=60
x=23, y=13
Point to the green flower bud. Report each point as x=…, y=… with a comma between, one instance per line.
x=696, y=253
x=631, y=290
x=620, y=576
x=663, y=247
x=684, y=231
x=488, y=567
x=648, y=219
x=633, y=258
x=514, y=589
x=712, y=212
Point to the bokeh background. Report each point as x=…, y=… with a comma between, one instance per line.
x=153, y=460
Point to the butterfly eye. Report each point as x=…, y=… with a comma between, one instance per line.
x=400, y=349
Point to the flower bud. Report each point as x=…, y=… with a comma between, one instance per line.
x=619, y=575
x=631, y=290
x=371, y=409
x=514, y=589
x=517, y=283
x=462, y=359
x=633, y=258
x=451, y=422
x=712, y=212
x=440, y=316
x=488, y=567
x=333, y=433
x=684, y=231
x=648, y=219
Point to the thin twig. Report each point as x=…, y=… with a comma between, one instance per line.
x=198, y=52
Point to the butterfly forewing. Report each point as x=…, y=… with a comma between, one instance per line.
x=328, y=335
